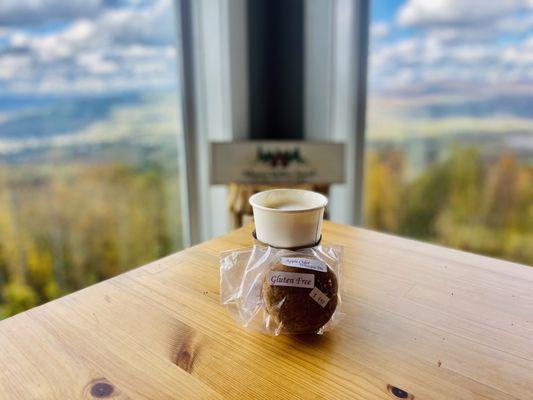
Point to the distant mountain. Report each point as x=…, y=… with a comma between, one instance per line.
x=17, y=103
x=127, y=126
x=47, y=117
x=517, y=106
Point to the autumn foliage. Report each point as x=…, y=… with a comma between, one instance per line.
x=70, y=226
x=466, y=202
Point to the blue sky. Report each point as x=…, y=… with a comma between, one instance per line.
x=85, y=46
x=69, y=46
x=384, y=10
x=451, y=45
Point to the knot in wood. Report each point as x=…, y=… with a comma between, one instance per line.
x=101, y=390
x=399, y=393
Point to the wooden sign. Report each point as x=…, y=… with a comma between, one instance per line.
x=277, y=162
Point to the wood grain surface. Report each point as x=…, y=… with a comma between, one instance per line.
x=422, y=322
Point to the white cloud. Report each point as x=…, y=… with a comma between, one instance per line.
x=379, y=30
x=422, y=61
x=424, y=13
x=521, y=22
x=154, y=25
x=456, y=44
x=13, y=66
x=95, y=63
x=519, y=55
x=121, y=48
x=53, y=46
x=80, y=31
x=29, y=12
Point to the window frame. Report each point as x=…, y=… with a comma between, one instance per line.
x=335, y=69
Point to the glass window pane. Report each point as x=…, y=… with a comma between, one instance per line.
x=89, y=119
x=450, y=124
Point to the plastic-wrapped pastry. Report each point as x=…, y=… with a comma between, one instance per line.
x=300, y=300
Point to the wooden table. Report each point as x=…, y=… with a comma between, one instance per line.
x=434, y=323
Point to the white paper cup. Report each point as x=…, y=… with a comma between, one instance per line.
x=288, y=218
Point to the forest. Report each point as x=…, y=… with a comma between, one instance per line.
x=465, y=202
x=68, y=226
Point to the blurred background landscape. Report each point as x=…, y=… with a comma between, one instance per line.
x=90, y=116
x=82, y=203
x=89, y=125
x=450, y=124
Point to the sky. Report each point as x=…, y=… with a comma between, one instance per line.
x=54, y=47
x=451, y=46
x=417, y=46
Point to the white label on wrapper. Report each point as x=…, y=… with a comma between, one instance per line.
x=319, y=296
x=299, y=262
x=280, y=278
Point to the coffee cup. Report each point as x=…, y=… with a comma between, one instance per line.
x=288, y=218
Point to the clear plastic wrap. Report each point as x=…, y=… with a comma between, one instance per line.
x=278, y=291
